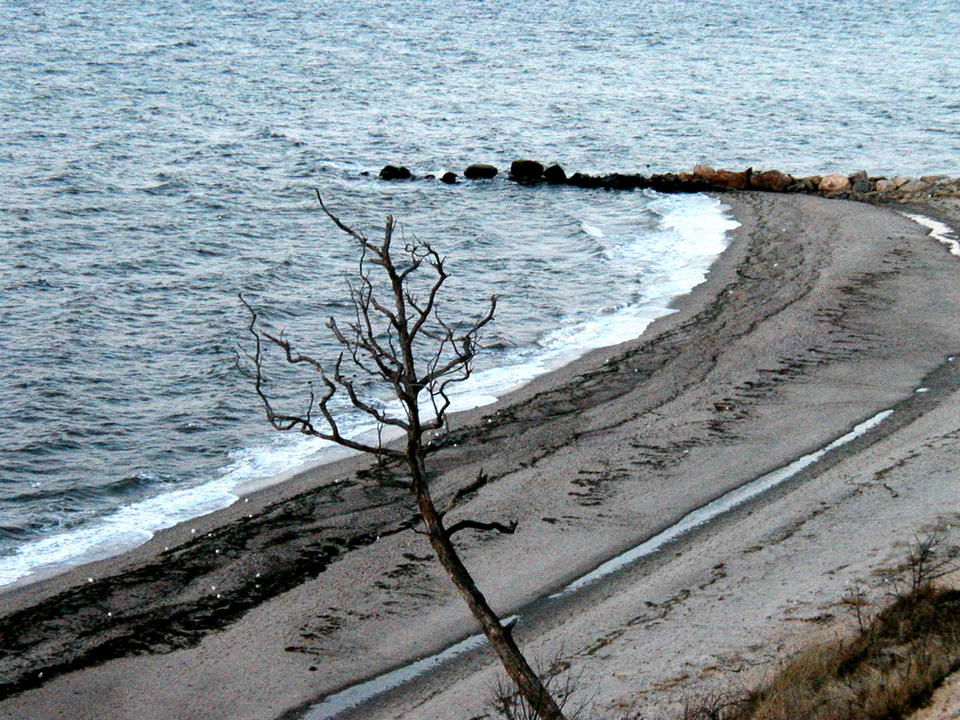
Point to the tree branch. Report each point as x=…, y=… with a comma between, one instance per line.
x=302, y=423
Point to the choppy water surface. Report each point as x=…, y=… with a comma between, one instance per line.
x=157, y=158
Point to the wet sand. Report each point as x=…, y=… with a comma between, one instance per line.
x=821, y=314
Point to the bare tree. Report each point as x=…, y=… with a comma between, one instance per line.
x=400, y=338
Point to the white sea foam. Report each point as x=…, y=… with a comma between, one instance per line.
x=671, y=261
x=941, y=232
x=591, y=230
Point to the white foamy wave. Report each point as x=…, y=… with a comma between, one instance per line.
x=941, y=232
x=127, y=527
x=591, y=230
x=668, y=261
x=692, y=233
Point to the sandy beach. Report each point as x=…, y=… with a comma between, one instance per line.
x=820, y=315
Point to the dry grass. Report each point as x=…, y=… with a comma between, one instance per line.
x=888, y=669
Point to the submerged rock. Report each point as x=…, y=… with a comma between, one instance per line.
x=393, y=172
x=450, y=178
x=480, y=171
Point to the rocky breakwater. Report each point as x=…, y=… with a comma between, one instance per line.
x=858, y=186
x=703, y=178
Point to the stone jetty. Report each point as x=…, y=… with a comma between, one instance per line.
x=703, y=178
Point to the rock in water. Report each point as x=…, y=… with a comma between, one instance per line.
x=480, y=171
x=526, y=171
x=449, y=178
x=555, y=175
x=834, y=183
x=392, y=172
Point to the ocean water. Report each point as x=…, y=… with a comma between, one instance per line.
x=157, y=158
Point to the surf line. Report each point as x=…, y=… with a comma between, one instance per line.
x=941, y=232
x=332, y=705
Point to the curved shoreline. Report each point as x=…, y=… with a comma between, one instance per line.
x=130, y=525
x=789, y=318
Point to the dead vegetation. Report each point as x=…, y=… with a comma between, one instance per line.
x=559, y=680
x=886, y=669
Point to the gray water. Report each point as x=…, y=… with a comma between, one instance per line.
x=157, y=158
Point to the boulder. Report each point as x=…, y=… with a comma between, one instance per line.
x=664, y=182
x=555, y=175
x=621, y=181
x=770, y=181
x=394, y=172
x=585, y=181
x=834, y=183
x=808, y=184
x=915, y=186
x=526, y=171
x=480, y=171
x=450, y=178
x=860, y=182
x=732, y=180
x=901, y=180
x=704, y=171
x=883, y=185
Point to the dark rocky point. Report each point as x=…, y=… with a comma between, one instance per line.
x=480, y=171
x=392, y=172
x=450, y=178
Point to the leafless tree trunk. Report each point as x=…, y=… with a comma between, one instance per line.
x=401, y=338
